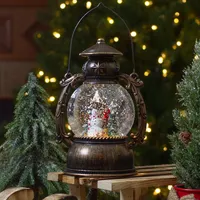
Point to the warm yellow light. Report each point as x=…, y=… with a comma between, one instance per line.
x=164, y=148
x=145, y=138
x=179, y=43
x=26, y=94
x=163, y=55
x=169, y=187
x=160, y=60
x=184, y=1
x=157, y=191
x=110, y=20
x=56, y=34
x=177, y=14
x=176, y=20
x=164, y=72
x=196, y=57
x=154, y=27
x=52, y=99
x=147, y=72
x=148, y=129
x=67, y=2
x=74, y=1
x=88, y=4
x=148, y=3
x=144, y=47
x=183, y=113
x=62, y=6
x=116, y=39
x=39, y=35
x=197, y=21
x=53, y=80
x=119, y=1
x=111, y=40
x=46, y=79
x=174, y=46
x=40, y=73
x=133, y=33
x=68, y=127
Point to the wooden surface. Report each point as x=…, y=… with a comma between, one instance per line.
x=127, y=194
x=18, y=193
x=136, y=182
x=146, y=176
x=60, y=197
x=78, y=191
x=129, y=187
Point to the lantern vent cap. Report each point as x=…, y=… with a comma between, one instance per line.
x=100, y=48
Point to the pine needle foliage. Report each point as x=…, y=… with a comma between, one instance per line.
x=30, y=150
x=186, y=154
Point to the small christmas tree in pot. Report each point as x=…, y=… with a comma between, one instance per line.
x=186, y=141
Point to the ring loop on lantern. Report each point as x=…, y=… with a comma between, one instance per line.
x=85, y=15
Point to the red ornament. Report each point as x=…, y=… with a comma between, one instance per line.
x=185, y=137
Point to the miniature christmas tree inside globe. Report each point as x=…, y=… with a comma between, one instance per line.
x=100, y=110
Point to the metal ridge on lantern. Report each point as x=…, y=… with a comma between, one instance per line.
x=100, y=105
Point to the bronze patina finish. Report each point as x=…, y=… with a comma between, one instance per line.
x=105, y=156
x=100, y=157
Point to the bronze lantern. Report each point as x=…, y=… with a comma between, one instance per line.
x=101, y=105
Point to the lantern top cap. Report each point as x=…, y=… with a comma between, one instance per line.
x=100, y=48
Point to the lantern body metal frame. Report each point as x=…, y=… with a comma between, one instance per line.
x=105, y=156
x=99, y=161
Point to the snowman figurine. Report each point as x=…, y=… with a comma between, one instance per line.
x=95, y=120
x=95, y=124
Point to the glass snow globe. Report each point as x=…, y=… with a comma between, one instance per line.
x=98, y=110
x=101, y=105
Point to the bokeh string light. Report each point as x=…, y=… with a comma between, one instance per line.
x=133, y=33
x=51, y=99
x=154, y=27
x=88, y=4
x=119, y=1
x=62, y=6
x=56, y=34
x=157, y=191
x=148, y=129
x=148, y=3
x=40, y=74
x=116, y=39
x=110, y=20
x=147, y=72
x=164, y=72
x=144, y=47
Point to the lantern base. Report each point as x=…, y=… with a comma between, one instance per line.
x=107, y=174
x=100, y=157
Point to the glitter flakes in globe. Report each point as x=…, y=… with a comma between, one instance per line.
x=100, y=110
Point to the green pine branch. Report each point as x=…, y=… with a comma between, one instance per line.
x=185, y=142
x=30, y=150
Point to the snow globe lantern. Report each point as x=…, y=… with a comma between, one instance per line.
x=101, y=105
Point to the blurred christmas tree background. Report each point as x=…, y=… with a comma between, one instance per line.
x=163, y=33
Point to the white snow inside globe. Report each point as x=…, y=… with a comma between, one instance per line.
x=100, y=110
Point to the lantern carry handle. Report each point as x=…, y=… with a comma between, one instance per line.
x=71, y=41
